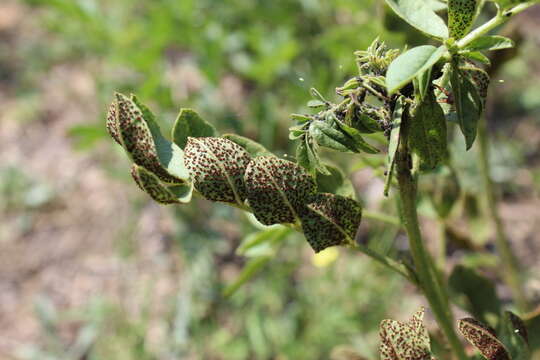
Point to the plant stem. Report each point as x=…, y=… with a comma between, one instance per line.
x=501, y=17
x=429, y=278
x=510, y=267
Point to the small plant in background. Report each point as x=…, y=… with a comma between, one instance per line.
x=401, y=103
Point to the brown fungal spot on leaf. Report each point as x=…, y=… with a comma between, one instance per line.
x=141, y=138
x=408, y=340
x=483, y=338
x=277, y=189
x=461, y=14
x=217, y=168
x=329, y=220
x=112, y=123
x=479, y=78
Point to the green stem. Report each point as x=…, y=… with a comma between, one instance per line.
x=374, y=215
x=501, y=17
x=427, y=275
x=510, y=267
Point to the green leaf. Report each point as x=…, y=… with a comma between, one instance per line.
x=490, y=42
x=263, y=242
x=277, y=189
x=410, y=64
x=468, y=105
x=252, y=147
x=461, y=16
x=161, y=193
x=475, y=293
x=427, y=137
x=217, y=167
x=250, y=270
x=307, y=157
x=513, y=334
x=190, y=124
x=477, y=56
x=330, y=220
x=334, y=182
x=483, y=338
x=359, y=141
x=133, y=126
x=365, y=124
x=316, y=104
x=422, y=83
x=326, y=135
x=394, y=142
x=420, y=14
x=405, y=341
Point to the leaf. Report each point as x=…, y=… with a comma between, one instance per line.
x=330, y=220
x=250, y=270
x=468, y=105
x=483, y=338
x=161, y=193
x=405, y=341
x=461, y=15
x=190, y=124
x=477, y=56
x=427, y=133
x=334, y=182
x=490, y=42
x=410, y=64
x=307, y=157
x=217, y=168
x=394, y=142
x=252, y=147
x=326, y=135
x=359, y=141
x=316, y=104
x=276, y=189
x=479, y=78
x=422, y=83
x=420, y=14
x=265, y=239
x=365, y=124
x=133, y=126
x=475, y=293
x=513, y=334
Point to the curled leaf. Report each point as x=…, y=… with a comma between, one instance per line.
x=483, y=338
x=217, y=168
x=330, y=220
x=190, y=123
x=276, y=189
x=405, y=341
x=161, y=193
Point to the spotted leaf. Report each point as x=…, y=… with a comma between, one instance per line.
x=158, y=191
x=277, y=189
x=483, y=338
x=405, y=341
x=217, y=168
x=461, y=15
x=478, y=77
x=330, y=220
x=133, y=126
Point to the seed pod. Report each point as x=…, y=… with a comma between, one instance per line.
x=133, y=126
x=277, y=189
x=151, y=185
x=461, y=15
x=217, y=168
x=483, y=338
x=330, y=220
x=408, y=340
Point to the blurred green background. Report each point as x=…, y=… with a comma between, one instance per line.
x=90, y=268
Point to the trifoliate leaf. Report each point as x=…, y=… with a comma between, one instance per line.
x=483, y=338
x=276, y=189
x=161, y=193
x=405, y=341
x=461, y=15
x=136, y=130
x=330, y=220
x=190, y=124
x=217, y=168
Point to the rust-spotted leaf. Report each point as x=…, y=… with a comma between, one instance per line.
x=330, y=220
x=461, y=15
x=217, y=168
x=405, y=341
x=158, y=191
x=133, y=126
x=277, y=189
x=483, y=338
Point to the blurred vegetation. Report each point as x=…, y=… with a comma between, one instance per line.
x=245, y=65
